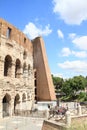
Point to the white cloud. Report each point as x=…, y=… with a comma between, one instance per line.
x=32, y=31
x=58, y=75
x=66, y=51
x=71, y=11
x=60, y=34
x=80, y=54
x=74, y=66
x=81, y=42
x=72, y=35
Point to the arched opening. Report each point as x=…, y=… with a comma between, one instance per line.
x=24, y=55
x=24, y=67
x=7, y=66
x=16, y=103
x=29, y=96
x=6, y=105
x=24, y=103
x=24, y=70
x=29, y=69
x=17, y=69
x=23, y=97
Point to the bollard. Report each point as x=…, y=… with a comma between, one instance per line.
x=68, y=118
x=47, y=114
x=79, y=112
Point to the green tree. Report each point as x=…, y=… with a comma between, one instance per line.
x=67, y=89
x=73, y=86
x=78, y=83
x=57, y=81
x=82, y=96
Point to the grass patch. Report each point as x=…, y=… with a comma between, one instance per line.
x=79, y=124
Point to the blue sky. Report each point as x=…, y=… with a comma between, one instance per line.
x=61, y=23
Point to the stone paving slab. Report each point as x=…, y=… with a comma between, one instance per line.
x=21, y=123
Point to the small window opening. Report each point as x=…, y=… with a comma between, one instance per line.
x=35, y=74
x=9, y=32
x=24, y=40
x=35, y=91
x=35, y=83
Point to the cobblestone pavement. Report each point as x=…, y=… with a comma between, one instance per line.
x=21, y=123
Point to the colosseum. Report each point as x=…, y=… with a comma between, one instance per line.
x=25, y=76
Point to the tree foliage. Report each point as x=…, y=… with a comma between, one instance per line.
x=82, y=96
x=57, y=81
x=71, y=87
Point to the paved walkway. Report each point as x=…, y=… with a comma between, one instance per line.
x=21, y=123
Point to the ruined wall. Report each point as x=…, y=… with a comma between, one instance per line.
x=24, y=71
x=16, y=69
x=52, y=125
x=44, y=84
x=16, y=35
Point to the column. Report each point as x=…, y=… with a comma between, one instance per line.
x=68, y=118
x=79, y=112
x=11, y=108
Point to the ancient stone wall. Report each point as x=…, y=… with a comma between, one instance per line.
x=24, y=71
x=16, y=70
x=15, y=35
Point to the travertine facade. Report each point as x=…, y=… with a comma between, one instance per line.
x=18, y=70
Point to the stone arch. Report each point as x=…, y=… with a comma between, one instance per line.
x=24, y=54
x=6, y=105
x=7, y=66
x=24, y=97
x=25, y=70
x=24, y=67
x=29, y=96
x=16, y=102
x=17, y=68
